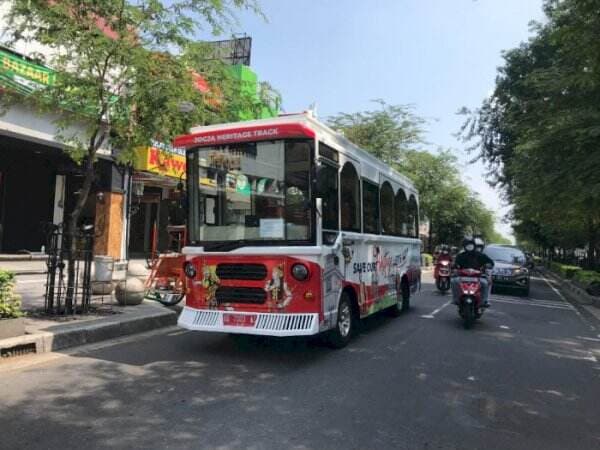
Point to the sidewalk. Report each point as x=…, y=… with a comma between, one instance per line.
x=44, y=334
x=106, y=320
x=25, y=266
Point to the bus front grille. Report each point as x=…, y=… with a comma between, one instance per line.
x=251, y=295
x=229, y=271
x=285, y=322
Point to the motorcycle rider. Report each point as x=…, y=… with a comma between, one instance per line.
x=471, y=258
x=442, y=255
x=479, y=244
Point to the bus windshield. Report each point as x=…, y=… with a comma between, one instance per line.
x=252, y=191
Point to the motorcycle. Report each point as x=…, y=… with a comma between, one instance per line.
x=470, y=302
x=442, y=275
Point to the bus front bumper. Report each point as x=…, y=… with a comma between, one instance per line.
x=265, y=324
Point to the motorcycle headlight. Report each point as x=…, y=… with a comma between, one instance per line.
x=300, y=272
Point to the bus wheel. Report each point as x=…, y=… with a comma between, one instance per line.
x=396, y=309
x=405, y=290
x=344, y=326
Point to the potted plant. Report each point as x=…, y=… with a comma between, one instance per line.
x=12, y=322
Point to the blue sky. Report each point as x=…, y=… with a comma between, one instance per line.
x=438, y=55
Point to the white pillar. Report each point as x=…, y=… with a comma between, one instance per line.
x=59, y=200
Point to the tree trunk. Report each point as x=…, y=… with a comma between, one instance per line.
x=592, y=244
x=430, y=238
x=71, y=231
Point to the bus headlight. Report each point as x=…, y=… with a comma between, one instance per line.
x=300, y=272
x=189, y=269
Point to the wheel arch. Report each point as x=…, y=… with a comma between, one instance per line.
x=351, y=291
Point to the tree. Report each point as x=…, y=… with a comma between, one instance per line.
x=386, y=132
x=394, y=134
x=538, y=132
x=124, y=68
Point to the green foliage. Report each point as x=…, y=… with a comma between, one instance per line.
x=387, y=132
x=587, y=277
x=538, y=132
x=10, y=303
x=497, y=238
x=427, y=259
x=564, y=270
x=394, y=134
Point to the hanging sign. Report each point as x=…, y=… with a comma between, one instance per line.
x=160, y=161
x=23, y=76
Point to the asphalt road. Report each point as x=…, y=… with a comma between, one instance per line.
x=526, y=377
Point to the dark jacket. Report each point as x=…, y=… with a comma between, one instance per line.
x=472, y=260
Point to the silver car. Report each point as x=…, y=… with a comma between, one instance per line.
x=510, y=269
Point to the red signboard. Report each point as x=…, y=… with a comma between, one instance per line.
x=243, y=134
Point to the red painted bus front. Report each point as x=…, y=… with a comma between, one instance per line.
x=252, y=294
x=249, y=288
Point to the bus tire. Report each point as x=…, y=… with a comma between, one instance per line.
x=341, y=334
x=396, y=309
x=405, y=292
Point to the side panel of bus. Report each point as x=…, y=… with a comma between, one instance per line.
x=377, y=267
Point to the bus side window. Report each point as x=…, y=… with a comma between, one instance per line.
x=328, y=187
x=370, y=207
x=401, y=212
x=350, y=197
x=387, y=209
x=413, y=217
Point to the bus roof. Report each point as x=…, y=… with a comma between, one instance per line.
x=301, y=124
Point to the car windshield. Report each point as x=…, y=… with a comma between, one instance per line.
x=505, y=254
x=255, y=191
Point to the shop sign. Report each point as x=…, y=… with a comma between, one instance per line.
x=162, y=161
x=23, y=76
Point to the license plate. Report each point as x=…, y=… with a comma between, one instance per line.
x=239, y=320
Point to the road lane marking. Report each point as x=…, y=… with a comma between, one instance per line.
x=434, y=312
x=557, y=305
x=526, y=300
x=562, y=297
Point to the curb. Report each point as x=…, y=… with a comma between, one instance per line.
x=29, y=272
x=73, y=335
x=573, y=291
x=21, y=258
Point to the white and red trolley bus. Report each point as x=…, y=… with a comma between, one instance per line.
x=293, y=230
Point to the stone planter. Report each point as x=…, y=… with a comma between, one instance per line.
x=102, y=287
x=130, y=291
x=12, y=327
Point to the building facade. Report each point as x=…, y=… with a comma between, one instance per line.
x=131, y=208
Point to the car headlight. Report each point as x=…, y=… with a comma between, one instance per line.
x=300, y=272
x=189, y=269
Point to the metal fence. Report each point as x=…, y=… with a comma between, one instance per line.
x=68, y=284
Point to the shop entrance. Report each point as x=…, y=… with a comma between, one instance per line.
x=27, y=184
x=156, y=205
x=144, y=224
